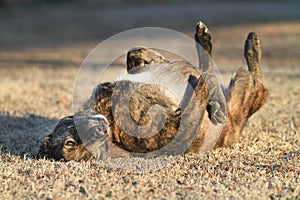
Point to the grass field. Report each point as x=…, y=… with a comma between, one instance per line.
x=37, y=89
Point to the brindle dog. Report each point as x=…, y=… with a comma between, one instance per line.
x=231, y=106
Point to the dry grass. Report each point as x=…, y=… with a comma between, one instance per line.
x=36, y=92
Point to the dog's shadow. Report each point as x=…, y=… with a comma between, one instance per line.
x=22, y=136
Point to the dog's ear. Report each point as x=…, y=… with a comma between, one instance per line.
x=46, y=141
x=44, y=149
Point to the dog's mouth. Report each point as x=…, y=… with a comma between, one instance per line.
x=93, y=131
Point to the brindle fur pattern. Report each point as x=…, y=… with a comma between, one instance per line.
x=138, y=57
x=143, y=98
x=64, y=143
x=246, y=93
x=232, y=106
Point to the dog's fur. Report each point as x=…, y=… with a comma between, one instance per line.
x=232, y=106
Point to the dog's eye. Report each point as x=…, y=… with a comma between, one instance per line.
x=70, y=143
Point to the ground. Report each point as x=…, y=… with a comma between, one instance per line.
x=38, y=66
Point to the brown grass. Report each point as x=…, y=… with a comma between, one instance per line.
x=264, y=165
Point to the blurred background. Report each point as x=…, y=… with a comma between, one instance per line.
x=38, y=23
x=60, y=33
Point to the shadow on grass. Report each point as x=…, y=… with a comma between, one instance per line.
x=22, y=136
